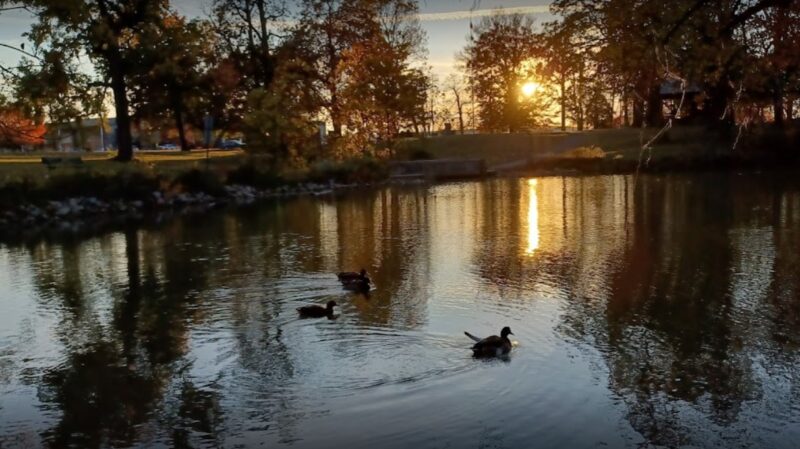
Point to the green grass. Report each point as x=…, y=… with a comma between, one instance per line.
x=494, y=148
x=499, y=149
x=27, y=167
x=23, y=178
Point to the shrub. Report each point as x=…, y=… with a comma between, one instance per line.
x=130, y=184
x=359, y=170
x=591, y=152
x=249, y=174
x=199, y=181
x=420, y=154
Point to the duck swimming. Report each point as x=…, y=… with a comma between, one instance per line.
x=358, y=282
x=492, y=346
x=352, y=276
x=315, y=311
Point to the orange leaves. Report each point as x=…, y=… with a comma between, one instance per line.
x=16, y=129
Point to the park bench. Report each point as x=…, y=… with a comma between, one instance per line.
x=53, y=162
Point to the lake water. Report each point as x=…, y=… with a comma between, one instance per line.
x=658, y=312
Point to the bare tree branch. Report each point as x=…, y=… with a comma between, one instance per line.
x=737, y=19
x=14, y=8
x=21, y=51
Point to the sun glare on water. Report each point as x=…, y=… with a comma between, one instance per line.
x=533, y=218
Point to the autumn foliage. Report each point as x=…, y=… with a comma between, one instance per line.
x=18, y=130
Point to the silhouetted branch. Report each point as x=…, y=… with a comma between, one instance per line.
x=753, y=10
x=21, y=51
x=737, y=19
x=683, y=18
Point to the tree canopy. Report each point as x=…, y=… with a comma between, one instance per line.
x=638, y=63
x=272, y=73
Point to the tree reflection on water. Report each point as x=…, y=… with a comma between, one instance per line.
x=685, y=295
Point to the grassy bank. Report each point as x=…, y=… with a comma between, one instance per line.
x=613, y=150
x=24, y=179
x=19, y=167
x=500, y=149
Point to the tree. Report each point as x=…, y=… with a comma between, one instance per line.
x=640, y=45
x=16, y=130
x=775, y=73
x=361, y=55
x=457, y=88
x=171, y=75
x=381, y=94
x=248, y=35
x=46, y=85
x=326, y=30
x=280, y=119
x=108, y=32
x=225, y=95
x=561, y=61
x=499, y=59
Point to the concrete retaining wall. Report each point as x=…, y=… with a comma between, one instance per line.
x=439, y=169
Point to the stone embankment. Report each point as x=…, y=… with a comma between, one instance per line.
x=66, y=213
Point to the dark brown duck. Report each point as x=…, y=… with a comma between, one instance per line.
x=491, y=346
x=316, y=311
x=358, y=282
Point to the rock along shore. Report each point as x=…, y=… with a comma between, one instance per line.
x=72, y=214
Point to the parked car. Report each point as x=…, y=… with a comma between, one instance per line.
x=167, y=146
x=232, y=143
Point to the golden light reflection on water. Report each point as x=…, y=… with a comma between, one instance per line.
x=533, y=218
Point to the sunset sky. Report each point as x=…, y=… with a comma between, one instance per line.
x=445, y=21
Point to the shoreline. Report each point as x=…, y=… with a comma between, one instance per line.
x=89, y=214
x=86, y=214
x=664, y=165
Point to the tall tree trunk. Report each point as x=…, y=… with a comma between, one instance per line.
x=336, y=119
x=581, y=99
x=655, y=113
x=778, y=104
x=177, y=109
x=719, y=114
x=638, y=112
x=334, y=108
x=264, y=54
x=625, y=118
x=563, y=102
x=460, y=109
x=120, y=89
x=722, y=93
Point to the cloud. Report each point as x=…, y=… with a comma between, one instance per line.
x=471, y=14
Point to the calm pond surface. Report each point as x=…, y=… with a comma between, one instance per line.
x=662, y=316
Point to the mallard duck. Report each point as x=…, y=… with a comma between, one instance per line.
x=492, y=346
x=352, y=276
x=358, y=282
x=316, y=311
